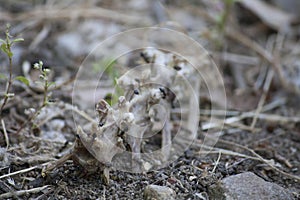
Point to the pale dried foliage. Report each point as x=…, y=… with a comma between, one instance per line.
x=151, y=91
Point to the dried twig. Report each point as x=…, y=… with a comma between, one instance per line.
x=218, y=123
x=225, y=152
x=198, y=143
x=269, y=117
x=217, y=162
x=272, y=47
x=236, y=35
x=270, y=164
x=215, y=150
x=81, y=113
x=23, y=192
x=263, y=97
x=237, y=58
x=5, y=134
x=23, y=170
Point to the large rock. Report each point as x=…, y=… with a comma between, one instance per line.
x=156, y=192
x=247, y=186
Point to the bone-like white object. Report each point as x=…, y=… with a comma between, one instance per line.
x=164, y=70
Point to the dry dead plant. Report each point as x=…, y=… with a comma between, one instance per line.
x=150, y=94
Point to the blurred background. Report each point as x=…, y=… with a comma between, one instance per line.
x=239, y=35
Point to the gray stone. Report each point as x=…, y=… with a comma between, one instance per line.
x=156, y=192
x=247, y=186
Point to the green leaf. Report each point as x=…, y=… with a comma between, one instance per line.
x=50, y=84
x=4, y=48
x=2, y=41
x=18, y=40
x=10, y=54
x=10, y=95
x=23, y=80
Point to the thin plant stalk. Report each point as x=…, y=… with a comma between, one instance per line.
x=9, y=83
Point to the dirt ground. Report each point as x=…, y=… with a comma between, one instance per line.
x=255, y=47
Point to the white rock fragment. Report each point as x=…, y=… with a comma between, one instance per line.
x=158, y=193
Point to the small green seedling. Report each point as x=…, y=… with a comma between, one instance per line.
x=45, y=83
x=108, y=66
x=221, y=21
x=5, y=47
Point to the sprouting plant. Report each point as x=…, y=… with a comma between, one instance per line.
x=221, y=20
x=108, y=66
x=6, y=46
x=45, y=83
x=223, y=17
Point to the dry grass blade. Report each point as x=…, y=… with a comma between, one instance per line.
x=23, y=170
x=260, y=158
x=237, y=36
x=215, y=150
x=226, y=152
x=272, y=46
x=23, y=192
x=237, y=58
x=232, y=121
x=217, y=162
x=263, y=97
x=5, y=134
x=198, y=143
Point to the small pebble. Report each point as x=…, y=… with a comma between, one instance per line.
x=159, y=193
